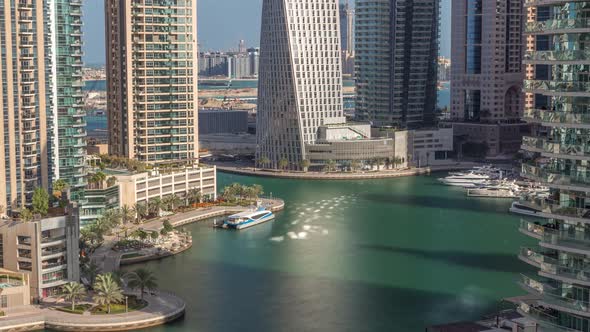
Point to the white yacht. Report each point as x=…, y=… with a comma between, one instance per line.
x=466, y=180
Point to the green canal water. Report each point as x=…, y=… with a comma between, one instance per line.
x=379, y=255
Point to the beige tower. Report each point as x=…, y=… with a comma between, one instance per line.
x=152, y=79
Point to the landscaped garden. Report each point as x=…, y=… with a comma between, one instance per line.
x=106, y=295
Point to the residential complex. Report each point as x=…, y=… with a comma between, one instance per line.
x=396, y=50
x=556, y=104
x=300, y=81
x=346, y=27
x=347, y=37
x=46, y=250
x=487, y=73
x=229, y=65
x=152, y=79
x=43, y=128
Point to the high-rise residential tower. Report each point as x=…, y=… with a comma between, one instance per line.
x=487, y=73
x=42, y=135
x=557, y=104
x=346, y=27
x=152, y=73
x=396, y=49
x=300, y=79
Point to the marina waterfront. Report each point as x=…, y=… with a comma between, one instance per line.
x=374, y=255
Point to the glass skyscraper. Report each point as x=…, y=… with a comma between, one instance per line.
x=43, y=128
x=557, y=104
x=396, y=51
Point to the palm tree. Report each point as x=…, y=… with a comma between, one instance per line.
x=107, y=291
x=194, y=196
x=263, y=162
x=257, y=190
x=141, y=211
x=304, y=165
x=330, y=164
x=172, y=202
x=99, y=178
x=91, y=271
x=142, y=279
x=355, y=165
x=155, y=205
x=283, y=164
x=73, y=291
x=127, y=214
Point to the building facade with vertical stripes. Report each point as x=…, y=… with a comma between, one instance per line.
x=152, y=70
x=300, y=79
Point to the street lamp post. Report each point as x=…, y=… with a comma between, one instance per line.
x=126, y=304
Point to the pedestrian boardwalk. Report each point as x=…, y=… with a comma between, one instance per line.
x=163, y=308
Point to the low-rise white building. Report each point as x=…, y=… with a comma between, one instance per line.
x=141, y=187
x=424, y=147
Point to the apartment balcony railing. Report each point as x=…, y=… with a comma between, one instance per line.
x=552, y=296
x=556, y=117
x=546, y=145
x=557, y=86
x=553, y=207
x=555, y=177
x=560, y=24
x=544, y=316
x=566, y=55
x=48, y=252
x=53, y=239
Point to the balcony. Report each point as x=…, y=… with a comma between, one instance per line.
x=573, y=88
x=52, y=241
x=543, y=316
x=553, y=26
x=554, y=117
x=547, y=146
x=553, y=209
x=553, y=297
x=554, y=178
x=53, y=252
x=581, y=56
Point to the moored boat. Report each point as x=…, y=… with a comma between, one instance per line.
x=248, y=219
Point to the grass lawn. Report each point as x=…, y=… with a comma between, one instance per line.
x=78, y=309
x=131, y=255
x=119, y=308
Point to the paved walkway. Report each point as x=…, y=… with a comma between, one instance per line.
x=162, y=308
x=224, y=167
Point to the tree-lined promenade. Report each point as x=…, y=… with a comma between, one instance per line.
x=340, y=175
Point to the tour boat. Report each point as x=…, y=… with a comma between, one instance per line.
x=248, y=219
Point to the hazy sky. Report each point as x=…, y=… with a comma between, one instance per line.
x=222, y=23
